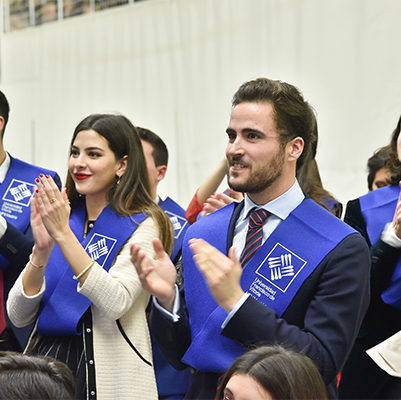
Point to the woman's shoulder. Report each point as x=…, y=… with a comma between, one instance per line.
x=147, y=228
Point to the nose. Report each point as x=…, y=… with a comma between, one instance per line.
x=80, y=161
x=235, y=147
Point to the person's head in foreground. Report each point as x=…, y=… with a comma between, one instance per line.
x=24, y=377
x=272, y=373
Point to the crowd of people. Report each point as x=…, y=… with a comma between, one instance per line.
x=259, y=292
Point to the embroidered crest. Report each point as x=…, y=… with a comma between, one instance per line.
x=178, y=223
x=19, y=192
x=99, y=248
x=280, y=267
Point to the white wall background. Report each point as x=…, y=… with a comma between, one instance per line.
x=173, y=65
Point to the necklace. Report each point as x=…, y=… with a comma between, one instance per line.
x=88, y=227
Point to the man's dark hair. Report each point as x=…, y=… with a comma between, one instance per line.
x=393, y=161
x=160, y=152
x=293, y=115
x=376, y=162
x=4, y=110
x=25, y=377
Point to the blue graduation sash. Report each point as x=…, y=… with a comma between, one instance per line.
x=62, y=307
x=273, y=276
x=177, y=216
x=16, y=192
x=378, y=209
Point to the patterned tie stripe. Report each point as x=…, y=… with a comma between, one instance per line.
x=255, y=234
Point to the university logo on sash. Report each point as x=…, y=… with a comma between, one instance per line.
x=18, y=194
x=99, y=248
x=178, y=222
x=62, y=306
x=280, y=268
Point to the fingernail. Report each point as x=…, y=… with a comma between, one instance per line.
x=37, y=190
x=47, y=176
x=37, y=180
x=41, y=175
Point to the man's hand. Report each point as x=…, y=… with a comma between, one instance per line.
x=157, y=276
x=222, y=274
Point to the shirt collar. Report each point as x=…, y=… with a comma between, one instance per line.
x=4, y=167
x=282, y=206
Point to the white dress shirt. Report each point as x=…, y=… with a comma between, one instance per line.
x=279, y=209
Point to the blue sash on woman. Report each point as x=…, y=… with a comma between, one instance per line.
x=273, y=276
x=378, y=209
x=16, y=192
x=62, y=307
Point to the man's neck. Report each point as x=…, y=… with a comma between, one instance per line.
x=271, y=193
x=2, y=154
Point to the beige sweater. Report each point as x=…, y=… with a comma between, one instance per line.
x=120, y=374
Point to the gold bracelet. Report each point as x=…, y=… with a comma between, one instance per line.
x=84, y=271
x=33, y=264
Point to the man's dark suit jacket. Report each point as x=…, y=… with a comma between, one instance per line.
x=16, y=247
x=322, y=320
x=361, y=377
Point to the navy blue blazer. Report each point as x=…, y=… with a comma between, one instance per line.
x=16, y=247
x=362, y=378
x=322, y=320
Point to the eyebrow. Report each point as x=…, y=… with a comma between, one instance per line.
x=246, y=130
x=88, y=148
x=227, y=389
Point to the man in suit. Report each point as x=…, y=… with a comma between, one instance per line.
x=376, y=216
x=300, y=278
x=17, y=180
x=156, y=155
x=171, y=384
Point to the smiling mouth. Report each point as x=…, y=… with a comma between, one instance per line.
x=237, y=166
x=81, y=177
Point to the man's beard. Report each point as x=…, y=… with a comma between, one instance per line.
x=259, y=179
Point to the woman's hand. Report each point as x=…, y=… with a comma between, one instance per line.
x=219, y=200
x=53, y=207
x=43, y=242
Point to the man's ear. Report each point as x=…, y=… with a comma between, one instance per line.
x=295, y=148
x=1, y=124
x=123, y=166
x=161, y=172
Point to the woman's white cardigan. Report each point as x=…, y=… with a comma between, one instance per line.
x=117, y=294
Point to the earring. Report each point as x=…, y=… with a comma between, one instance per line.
x=118, y=180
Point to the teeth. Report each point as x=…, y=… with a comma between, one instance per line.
x=238, y=166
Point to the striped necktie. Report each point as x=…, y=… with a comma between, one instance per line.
x=255, y=234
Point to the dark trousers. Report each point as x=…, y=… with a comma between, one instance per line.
x=362, y=378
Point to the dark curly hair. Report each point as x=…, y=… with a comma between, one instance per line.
x=393, y=162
